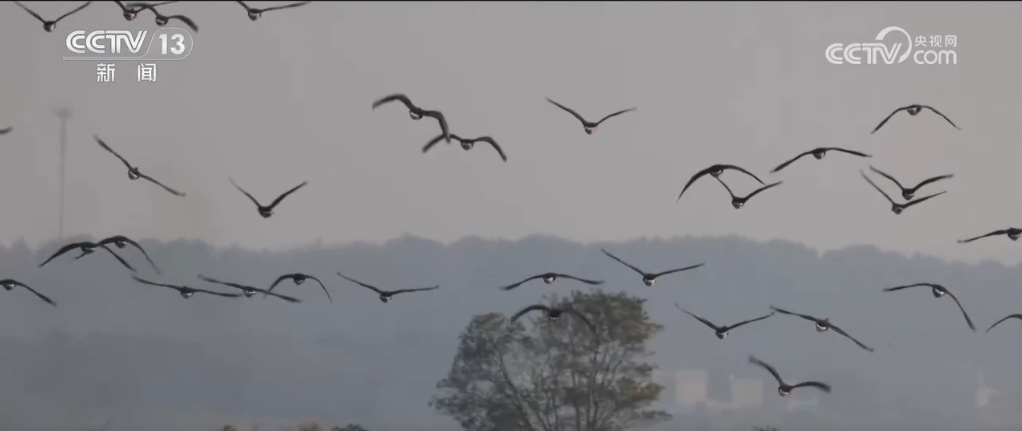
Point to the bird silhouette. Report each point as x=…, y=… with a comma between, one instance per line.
x=550, y=277
x=897, y=208
x=49, y=26
x=467, y=144
x=248, y=291
x=130, y=11
x=298, y=278
x=1013, y=233
x=716, y=171
x=818, y=153
x=649, y=278
x=9, y=285
x=162, y=20
x=86, y=248
x=589, y=126
x=6, y=131
x=120, y=241
x=720, y=331
x=784, y=389
x=910, y=192
x=1010, y=316
x=255, y=13
x=823, y=325
x=416, y=113
x=938, y=291
x=739, y=201
x=386, y=295
x=186, y=291
x=267, y=210
x=133, y=172
x=913, y=110
x=554, y=313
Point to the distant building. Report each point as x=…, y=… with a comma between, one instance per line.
x=690, y=387
x=746, y=392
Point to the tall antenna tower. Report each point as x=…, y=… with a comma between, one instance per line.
x=63, y=113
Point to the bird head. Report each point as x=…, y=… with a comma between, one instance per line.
x=1014, y=235
x=130, y=15
x=414, y=115
x=161, y=21
x=49, y=26
x=908, y=195
x=385, y=298
x=298, y=279
x=549, y=279
x=649, y=282
x=782, y=391
x=937, y=293
x=265, y=212
x=248, y=293
x=467, y=145
x=254, y=14
x=590, y=130
x=721, y=335
x=8, y=286
x=738, y=204
x=187, y=294
x=897, y=209
x=134, y=173
x=819, y=154
x=823, y=325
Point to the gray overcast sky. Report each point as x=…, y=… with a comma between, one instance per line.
x=287, y=99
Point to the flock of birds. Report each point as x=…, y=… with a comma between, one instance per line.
x=131, y=10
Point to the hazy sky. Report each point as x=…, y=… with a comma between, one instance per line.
x=287, y=99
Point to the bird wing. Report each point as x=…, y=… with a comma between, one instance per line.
x=107, y=147
x=287, y=6
x=616, y=114
x=742, y=170
x=123, y=8
x=247, y=8
x=804, y=316
x=767, y=366
x=888, y=118
x=63, y=250
x=842, y=332
x=876, y=187
x=769, y=186
x=584, y=280
x=6, y=131
x=785, y=164
x=247, y=194
x=493, y=143
x=30, y=12
x=132, y=6
x=725, y=187
x=623, y=262
x=942, y=115
x=188, y=21
x=745, y=322
x=327, y=292
x=211, y=292
x=439, y=116
x=370, y=287
x=280, y=279
x=704, y=321
x=512, y=286
x=693, y=179
x=885, y=175
x=996, y=232
x=672, y=271
x=41, y=296
x=229, y=284
x=133, y=244
x=1010, y=316
x=923, y=199
x=818, y=385
x=432, y=142
x=528, y=309
x=89, y=2
x=152, y=283
x=852, y=152
x=419, y=289
x=284, y=297
x=569, y=110
x=168, y=189
x=581, y=317
x=934, y=179
x=281, y=197
x=118, y=257
x=962, y=309
x=399, y=97
x=892, y=289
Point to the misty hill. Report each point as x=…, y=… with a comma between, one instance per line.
x=144, y=356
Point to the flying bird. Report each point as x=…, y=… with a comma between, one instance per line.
x=131, y=10
x=254, y=13
x=49, y=26
x=133, y=172
x=589, y=126
x=739, y=201
x=822, y=325
x=897, y=208
x=1013, y=233
x=120, y=241
x=720, y=331
x=938, y=291
x=6, y=131
x=550, y=277
x=299, y=278
x=554, y=313
x=162, y=20
x=649, y=278
x=267, y=211
x=185, y=291
x=909, y=193
x=913, y=110
x=818, y=153
x=716, y=171
x=386, y=295
x=86, y=248
x=1010, y=316
x=416, y=113
x=9, y=285
x=248, y=291
x=467, y=144
x=783, y=389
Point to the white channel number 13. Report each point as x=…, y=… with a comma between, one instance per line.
x=178, y=41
